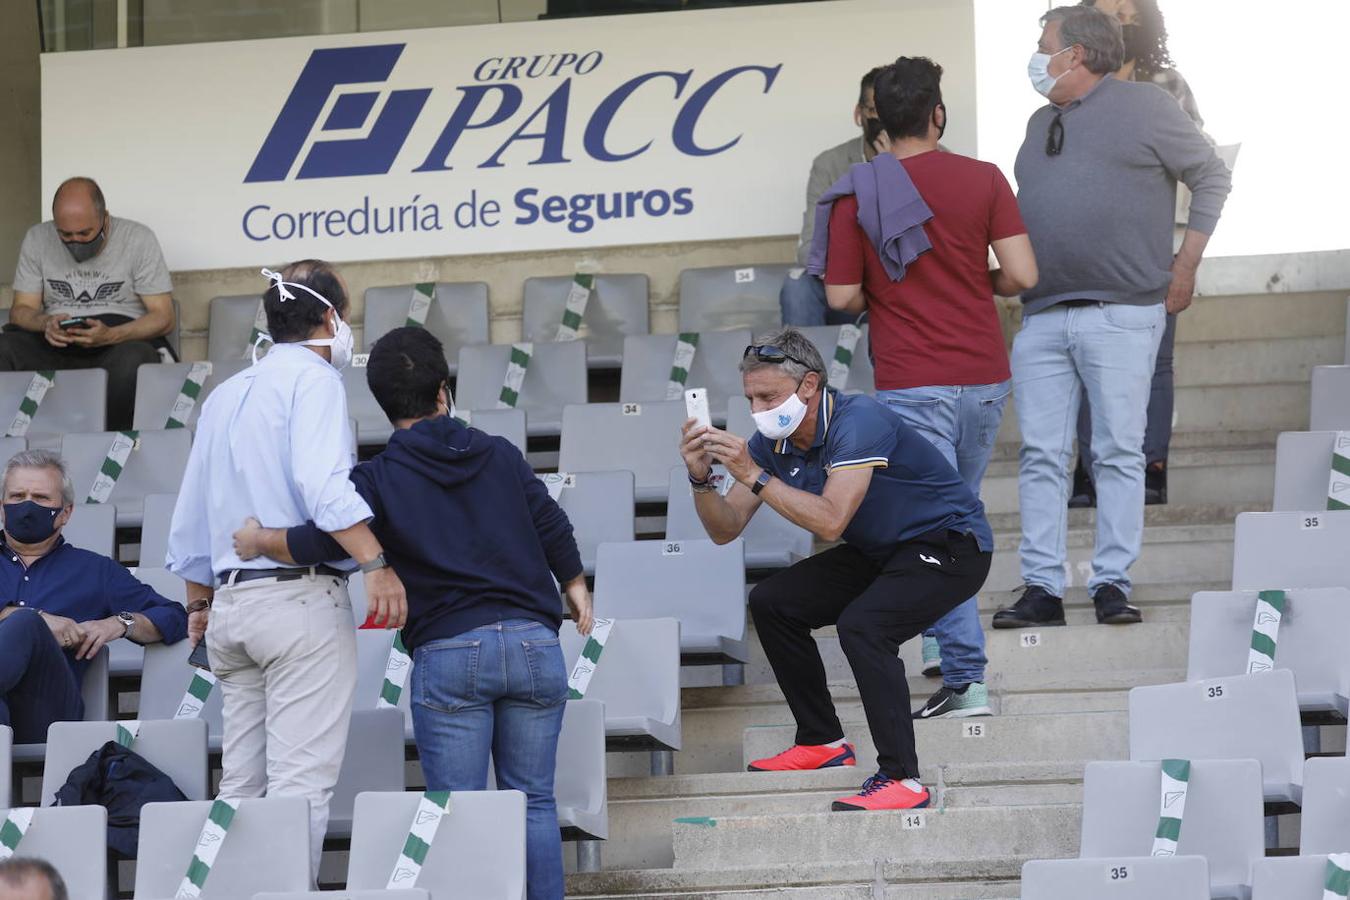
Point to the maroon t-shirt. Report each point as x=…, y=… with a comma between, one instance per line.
x=939, y=325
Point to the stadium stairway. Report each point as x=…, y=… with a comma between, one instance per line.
x=1007, y=787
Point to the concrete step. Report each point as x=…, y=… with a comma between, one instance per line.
x=1264, y=360
x=1223, y=315
x=1182, y=439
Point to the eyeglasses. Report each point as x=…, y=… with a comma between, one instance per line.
x=770, y=354
x=1054, y=139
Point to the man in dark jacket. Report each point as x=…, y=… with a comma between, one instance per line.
x=478, y=543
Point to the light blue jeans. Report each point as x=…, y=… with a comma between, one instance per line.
x=1107, y=350
x=500, y=690
x=962, y=421
x=802, y=300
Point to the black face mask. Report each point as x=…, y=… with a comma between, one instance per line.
x=30, y=522
x=942, y=129
x=1134, y=42
x=86, y=250
x=872, y=129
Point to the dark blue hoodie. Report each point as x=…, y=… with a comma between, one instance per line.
x=470, y=530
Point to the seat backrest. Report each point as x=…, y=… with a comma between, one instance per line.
x=1237, y=717
x=404, y=894
x=639, y=670
x=457, y=317
x=555, y=377
x=770, y=540
x=372, y=655
x=165, y=583
x=618, y=305
x=647, y=362
x=93, y=527
x=1223, y=819
x=372, y=761
x=1330, y=398
x=722, y=297
x=1221, y=636
x=507, y=423
x=12, y=445
x=74, y=839
x=265, y=848
x=1303, y=469
x=1291, y=550
x=1146, y=878
x=702, y=583
x=230, y=323
x=739, y=419
x=74, y=403
x=177, y=747
x=158, y=386
x=6, y=761
x=1289, y=878
x=478, y=850
x=579, y=781
x=372, y=425
x=155, y=467
x=155, y=523
x=861, y=376
x=643, y=438
x=1325, y=826
x=164, y=682
x=94, y=689
x=600, y=507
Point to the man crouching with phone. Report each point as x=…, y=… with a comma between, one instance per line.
x=915, y=544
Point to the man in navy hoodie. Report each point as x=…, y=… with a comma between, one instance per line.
x=478, y=543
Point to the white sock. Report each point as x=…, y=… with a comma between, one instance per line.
x=913, y=785
x=838, y=743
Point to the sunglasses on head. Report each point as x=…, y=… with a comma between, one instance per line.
x=770, y=354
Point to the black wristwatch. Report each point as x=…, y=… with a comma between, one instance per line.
x=128, y=622
x=763, y=479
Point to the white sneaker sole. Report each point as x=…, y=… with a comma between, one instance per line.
x=963, y=713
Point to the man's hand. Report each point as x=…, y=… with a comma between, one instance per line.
x=93, y=333
x=1182, y=289
x=197, y=622
x=579, y=604
x=387, y=602
x=691, y=448
x=68, y=632
x=55, y=334
x=97, y=633
x=248, y=540
x=732, y=451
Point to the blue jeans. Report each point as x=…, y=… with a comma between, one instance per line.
x=962, y=421
x=1158, y=431
x=1108, y=351
x=802, y=300
x=500, y=690
x=37, y=685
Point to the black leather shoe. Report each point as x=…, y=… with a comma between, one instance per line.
x=1084, y=494
x=1155, y=485
x=1113, y=608
x=1037, y=606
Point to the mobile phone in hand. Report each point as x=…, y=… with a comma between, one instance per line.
x=696, y=405
x=74, y=322
x=199, y=657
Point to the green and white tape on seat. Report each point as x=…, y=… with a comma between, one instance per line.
x=213, y=834
x=194, y=699
x=396, y=670
x=123, y=443
x=12, y=829
x=1337, y=883
x=516, y=365
x=32, y=399
x=580, y=679
x=259, y=330
x=186, y=400
x=423, y=295
x=431, y=808
x=574, y=308
x=1338, y=490
x=556, y=481
x=127, y=732
x=1176, y=776
x=842, y=362
x=1265, y=631
x=686, y=345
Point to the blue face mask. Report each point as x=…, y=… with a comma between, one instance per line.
x=30, y=522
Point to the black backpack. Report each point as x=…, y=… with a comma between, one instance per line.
x=122, y=781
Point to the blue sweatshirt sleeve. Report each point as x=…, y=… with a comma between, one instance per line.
x=550, y=523
x=310, y=545
x=127, y=594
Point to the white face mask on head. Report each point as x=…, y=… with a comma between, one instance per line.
x=781, y=421
x=1038, y=70
x=340, y=345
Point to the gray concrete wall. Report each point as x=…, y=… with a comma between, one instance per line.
x=20, y=138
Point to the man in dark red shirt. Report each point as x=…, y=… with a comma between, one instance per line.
x=937, y=344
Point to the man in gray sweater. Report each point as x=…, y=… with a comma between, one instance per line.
x=1097, y=178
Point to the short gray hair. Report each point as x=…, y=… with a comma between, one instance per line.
x=43, y=459
x=1097, y=33
x=794, y=344
x=17, y=870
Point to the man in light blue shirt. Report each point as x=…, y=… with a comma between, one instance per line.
x=274, y=443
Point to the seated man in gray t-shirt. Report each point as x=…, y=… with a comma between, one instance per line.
x=91, y=291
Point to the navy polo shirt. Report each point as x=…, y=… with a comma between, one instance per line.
x=913, y=491
x=83, y=586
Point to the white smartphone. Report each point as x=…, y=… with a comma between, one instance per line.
x=696, y=405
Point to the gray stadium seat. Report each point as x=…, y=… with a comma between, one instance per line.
x=478, y=851
x=6, y=763
x=155, y=468
x=646, y=368
x=458, y=317
x=507, y=423
x=771, y=541
x=1330, y=398
x=93, y=527
x=231, y=322
x=414, y=894
x=703, y=583
x=1347, y=332
x=1280, y=550
x=722, y=297
x=125, y=657
x=1289, y=878
x=372, y=652
x=618, y=306
x=638, y=681
x=556, y=377
x=1138, y=878
x=579, y=782
x=266, y=848
x=155, y=522
x=74, y=403
x=1223, y=822
x=1221, y=633
x=373, y=761
x=1302, y=470
x=158, y=385
x=1237, y=717
x=177, y=747
x=74, y=839
x=372, y=425
x=739, y=419
x=600, y=508
x=861, y=377
x=10, y=446
x=600, y=437
x=1325, y=826
x=165, y=680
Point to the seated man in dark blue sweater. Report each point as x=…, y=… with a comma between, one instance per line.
x=478, y=542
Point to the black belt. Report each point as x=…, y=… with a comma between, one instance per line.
x=1080, y=302
x=242, y=575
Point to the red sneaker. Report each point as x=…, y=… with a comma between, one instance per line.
x=800, y=757
x=880, y=792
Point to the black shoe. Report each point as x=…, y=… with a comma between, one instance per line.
x=1084, y=493
x=1155, y=485
x=1037, y=606
x=1113, y=608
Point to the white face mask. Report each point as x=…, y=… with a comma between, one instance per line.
x=1038, y=70
x=783, y=419
x=340, y=345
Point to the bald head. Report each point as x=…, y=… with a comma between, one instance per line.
x=79, y=210
x=28, y=878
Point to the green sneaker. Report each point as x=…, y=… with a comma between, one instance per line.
x=951, y=703
x=932, y=656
